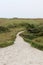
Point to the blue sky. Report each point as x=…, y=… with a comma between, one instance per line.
x=21, y=8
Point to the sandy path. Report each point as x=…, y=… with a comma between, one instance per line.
x=21, y=53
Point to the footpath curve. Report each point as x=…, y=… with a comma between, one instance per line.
x=20, y=53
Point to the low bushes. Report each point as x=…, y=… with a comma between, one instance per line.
x=5, y=44
x=36, y=45
x=3, y=29
x=33, y=44
x=12, y=26
x=35, y=29
x=33, y=32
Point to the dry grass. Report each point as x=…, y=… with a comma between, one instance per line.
x=10, y=36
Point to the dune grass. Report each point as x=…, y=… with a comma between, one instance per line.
x=8, y=38
x=10, y=27
x=34, y=35
x=38, y=45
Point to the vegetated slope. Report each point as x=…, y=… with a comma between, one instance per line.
x=34, y=35
x=10, y=27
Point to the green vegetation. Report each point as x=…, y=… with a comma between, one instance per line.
x=3, y=29
x=34, y=35
x=33, y=31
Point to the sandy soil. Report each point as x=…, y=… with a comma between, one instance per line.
x=21, y=53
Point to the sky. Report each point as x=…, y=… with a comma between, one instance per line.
x=21, y=8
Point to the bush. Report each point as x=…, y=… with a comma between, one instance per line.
x=3, y=29
x=5, y=44
x=35, y=29
x=12, y=26
x=36, y=45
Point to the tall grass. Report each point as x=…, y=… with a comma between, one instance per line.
x=32, y=33
x=10, y=27
x=4, y=29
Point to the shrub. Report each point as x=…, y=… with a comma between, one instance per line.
x=7, y=43
x=3, y=29
x=35, y=29
x=12, y=26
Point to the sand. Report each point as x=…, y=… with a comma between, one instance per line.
x=20, y=53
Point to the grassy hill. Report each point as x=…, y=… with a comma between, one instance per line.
x=10, y=27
